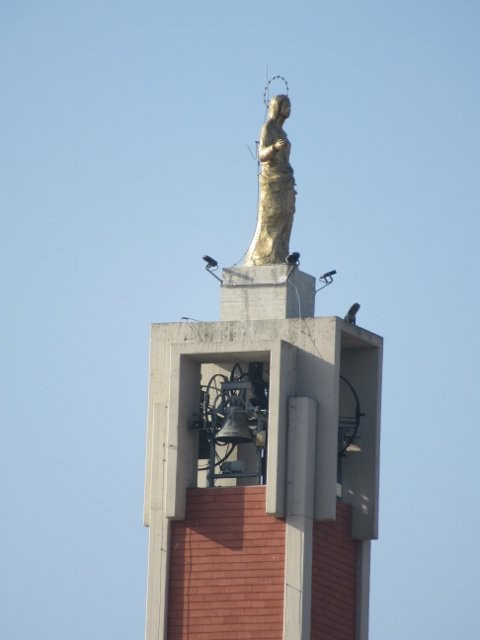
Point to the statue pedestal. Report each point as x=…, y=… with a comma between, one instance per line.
x=272, y=292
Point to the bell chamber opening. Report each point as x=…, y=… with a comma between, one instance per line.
x=232, y=423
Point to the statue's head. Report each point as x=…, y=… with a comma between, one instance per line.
x=279, y=106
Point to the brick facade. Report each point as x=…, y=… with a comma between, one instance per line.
x=334, y=578
x=226, y=576
x=227, y=570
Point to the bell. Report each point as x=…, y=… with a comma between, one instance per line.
x=235, y=430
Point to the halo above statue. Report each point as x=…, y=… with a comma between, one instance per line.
x=266, y=98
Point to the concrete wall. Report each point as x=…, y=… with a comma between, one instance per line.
x=304, y=362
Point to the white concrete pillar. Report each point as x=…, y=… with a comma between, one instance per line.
x=363, y=589
x=299, y=521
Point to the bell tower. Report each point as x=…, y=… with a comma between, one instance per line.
x=261, y=486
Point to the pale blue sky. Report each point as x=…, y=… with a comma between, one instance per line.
x=123, y=159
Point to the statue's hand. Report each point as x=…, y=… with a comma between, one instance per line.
x=268, y=152
x=280, y=144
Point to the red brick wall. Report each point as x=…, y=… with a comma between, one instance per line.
x=226, y=575
x=334, y=579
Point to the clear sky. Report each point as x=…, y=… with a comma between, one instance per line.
x=124, y=134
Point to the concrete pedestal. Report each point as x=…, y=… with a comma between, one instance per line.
x=269, y=292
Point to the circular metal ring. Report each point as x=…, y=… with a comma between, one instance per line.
x=268, y=85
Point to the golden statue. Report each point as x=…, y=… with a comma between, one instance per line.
x=276, y=204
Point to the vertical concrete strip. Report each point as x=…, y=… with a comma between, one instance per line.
x=158, y=548
x=157, y=581
x=323, y=372
x=282, y=386
x=363, y=589
x=299, y=520
x=182, y=444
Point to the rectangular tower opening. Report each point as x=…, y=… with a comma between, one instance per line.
x=359, y=432
x=232, y=422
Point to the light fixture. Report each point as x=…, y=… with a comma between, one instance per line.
x=211, y=262
x=293, y=259
x=354, y=447
x=326, y=279
x=351, y=313
x=212, y=265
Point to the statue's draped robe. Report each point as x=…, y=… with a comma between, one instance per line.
x=276, y=204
